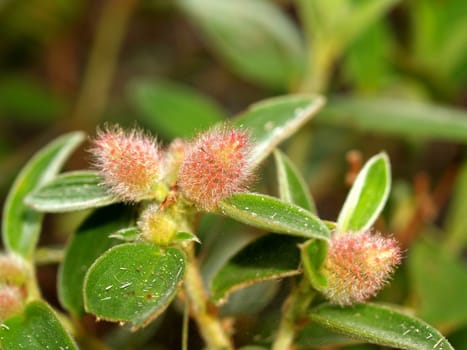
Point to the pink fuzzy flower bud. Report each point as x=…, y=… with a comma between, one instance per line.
x=129, y=163
x=11, y=301
x=216, y=165
x=358, y=265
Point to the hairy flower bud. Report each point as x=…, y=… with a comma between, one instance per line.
x=129, y=163
x=157, y=225
x=358, y=265
x=216, y=165
x=12, y=300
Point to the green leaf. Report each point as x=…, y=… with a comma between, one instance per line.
x=127, y=234
x=267, y=258
x=313, y=254
x=272, y=214
x=380, y=325
x=21, y=224
x=439, y=280
x=367, y=196
x=186, y=237
x=253, y=37
x=37, y=328
x=292, y=186
x=174, y=110
x=87, y=244
x=400, y=117
x=274, y=120
x=75, y=190
x=133, y=282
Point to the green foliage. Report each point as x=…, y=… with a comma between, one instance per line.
x=380, y=325
x=174, y=110
x=21, y=224
x=266, y=49
x=395, y=74
x=37, y=328
x=71, y=191
x=367, y=196
x=271, y=214
x=133, y=282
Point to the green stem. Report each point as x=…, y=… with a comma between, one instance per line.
x=46, y=256
x=294, y=309
x=208, y=323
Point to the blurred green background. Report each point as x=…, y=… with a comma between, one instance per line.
x=394, y=73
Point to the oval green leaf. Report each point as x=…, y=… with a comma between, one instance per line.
x=133, y=282
x=21, y=224
x=254, y=38
x=274, y=120
x=380, y=325
x=274, y=215
x=87, y=244
x=37, y=328
x=291, y=184
x=267, y=258
x=174, y=110
x=367, y=196
x=75, y=190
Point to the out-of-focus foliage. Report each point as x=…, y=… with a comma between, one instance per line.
x=395, y=77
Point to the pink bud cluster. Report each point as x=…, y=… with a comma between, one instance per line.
x=129, y=162
x=358, y=265
x=216, y=165
x=213, y=166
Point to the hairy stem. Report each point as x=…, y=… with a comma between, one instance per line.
x=208, y=323
x=293, y=310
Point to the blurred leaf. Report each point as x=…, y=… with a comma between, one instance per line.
x=174, y=110
x=133, y=282
x=368, y=195
x=75, y=190
x=26, y=100
x=267, y=258
x=87, y=244
x=313, y=255
x=37, y=328
x=439, y=281
x=456, y=220
x=274, y=120
x=272, y=214
x=21, y=224
x=379, y=325
x=186, y=237
x=292, y=186
x=367, y=63
x=250, y=300
x=400, y=117
x=440, y=34
x=253, y=37
x=314, y=335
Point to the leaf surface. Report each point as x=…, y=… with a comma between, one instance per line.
x=133, y=282
x=87, y=244
x=75, y=190
x=367, y=196
x=37, y=328
x=380, y=325
x=274, y=120
x=272, y=214
x=21, y=224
